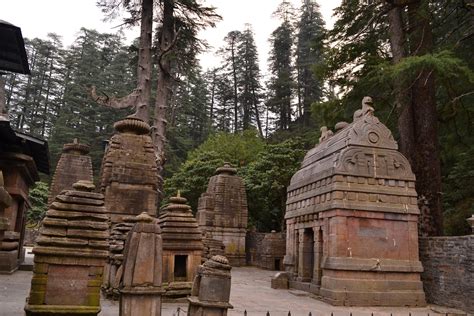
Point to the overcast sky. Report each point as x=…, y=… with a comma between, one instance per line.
x=37, y=18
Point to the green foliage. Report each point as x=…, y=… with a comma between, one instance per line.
x=39, y=202
x=266, y=180
x=193, y=175
x=459, y=194
x=239, y=149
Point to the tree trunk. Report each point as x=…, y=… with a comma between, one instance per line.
x=402, y=94
x=427, y=166
x=163, y=90
x=144, y=61
x=234, y=74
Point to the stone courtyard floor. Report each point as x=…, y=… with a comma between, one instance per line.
x=250, y=291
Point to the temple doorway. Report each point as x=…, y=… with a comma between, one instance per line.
x=308, y=254
x=180, y=264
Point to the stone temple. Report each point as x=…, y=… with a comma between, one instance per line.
x=352, y=217
x=74, y=165
x=223, y=214
x=129, y=182
x=182, y=247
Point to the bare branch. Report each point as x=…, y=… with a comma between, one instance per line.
x=114, y=102
x=167, y=50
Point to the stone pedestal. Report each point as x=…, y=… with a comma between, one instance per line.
x=70, y=255
x=222, y=212
x=74, y=164
x=19, y=173
x=182, y=247
x=211, y=289
x=142, y=270
x=352, y=219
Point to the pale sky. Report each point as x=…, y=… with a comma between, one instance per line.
x=37, y=18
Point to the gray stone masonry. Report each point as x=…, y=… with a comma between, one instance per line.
x=448, y=276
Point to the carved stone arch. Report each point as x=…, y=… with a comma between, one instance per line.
x=369, y=131
x=377, y=163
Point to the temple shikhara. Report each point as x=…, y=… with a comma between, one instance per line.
x=222, y=212
x=352, y=216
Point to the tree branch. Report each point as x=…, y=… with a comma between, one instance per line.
x=114, y=102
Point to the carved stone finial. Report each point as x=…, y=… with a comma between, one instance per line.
x=226, y=168
x=144, y=217
x=367, y=108
x=325, y=134
x=132, y=125
x=84, y=185
x=76, y=148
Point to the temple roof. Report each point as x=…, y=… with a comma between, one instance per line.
x=26, y=144
x=179, y=228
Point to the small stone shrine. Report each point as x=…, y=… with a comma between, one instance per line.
x=222, y=212
x=211, y=289
x=142, y=269
x=352, y=216
x=129, y=178
x=272, y=251
x=74, y=164
x=182, y=247
x=70, y=255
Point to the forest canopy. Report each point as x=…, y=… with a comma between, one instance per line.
x=414, y=58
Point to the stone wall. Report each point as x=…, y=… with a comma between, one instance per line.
x=448, y=277
x=253, y=242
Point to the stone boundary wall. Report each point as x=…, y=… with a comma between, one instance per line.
x=448, y=277
x=253, y=248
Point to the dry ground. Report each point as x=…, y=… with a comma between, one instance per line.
x=250, y=291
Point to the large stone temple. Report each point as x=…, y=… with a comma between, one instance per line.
x=223, y=214
x=352, y=217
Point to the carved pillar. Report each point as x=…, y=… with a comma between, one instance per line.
x=300, y=254
x=211, y=289
x=289, y=259
x=318, y=253
x=142, y=269
x=5, y=201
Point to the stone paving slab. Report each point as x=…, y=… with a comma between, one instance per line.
x=250, y=291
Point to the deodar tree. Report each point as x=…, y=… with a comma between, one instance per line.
x=191, y=15
x=406, y=53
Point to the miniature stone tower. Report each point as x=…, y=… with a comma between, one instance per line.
x=222, y=212
x=74, y=164
x=141, y=286
x=70, y=255
x=352, y=217
x=129, y=178
x=182, y=247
